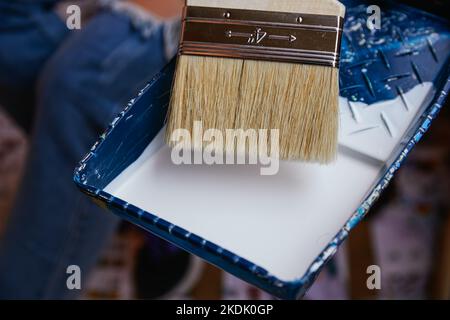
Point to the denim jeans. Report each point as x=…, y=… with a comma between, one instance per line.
x=74, y=82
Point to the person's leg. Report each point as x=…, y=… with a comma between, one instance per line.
x=82, y=86
x=29, y=33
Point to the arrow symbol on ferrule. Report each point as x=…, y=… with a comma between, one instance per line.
x=231, y=34
x=259, y=35
x=255, y=37
x=290, y=38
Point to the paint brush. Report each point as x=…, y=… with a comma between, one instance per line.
x=259, y=64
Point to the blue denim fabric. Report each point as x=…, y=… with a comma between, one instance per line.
x=29, y=33
x=83, y=79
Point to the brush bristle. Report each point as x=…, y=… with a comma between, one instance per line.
x=299, y=100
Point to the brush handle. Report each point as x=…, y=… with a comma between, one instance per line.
x=322, y=7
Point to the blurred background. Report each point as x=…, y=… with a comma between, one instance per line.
x=407, y=234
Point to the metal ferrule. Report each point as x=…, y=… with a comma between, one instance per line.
x=260, y=35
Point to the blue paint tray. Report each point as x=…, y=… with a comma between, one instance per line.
x=277, y=232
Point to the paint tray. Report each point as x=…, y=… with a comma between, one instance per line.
x=277, y=232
